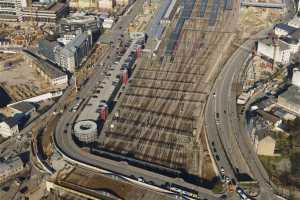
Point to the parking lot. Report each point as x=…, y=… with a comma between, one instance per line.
x=112, y=82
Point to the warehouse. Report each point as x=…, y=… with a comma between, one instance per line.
x=52, y=74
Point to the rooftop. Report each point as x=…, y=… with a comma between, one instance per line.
x=285, y=27
x=10, y=121
x=282, y=45
x=53, y=7
x=22, y=106
x=77, y=41
x=292, y=95
x=48, y=68
x=79, y=19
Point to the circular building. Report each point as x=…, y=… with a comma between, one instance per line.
x=86, y=131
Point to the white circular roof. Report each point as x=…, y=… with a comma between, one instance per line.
x=85, y=126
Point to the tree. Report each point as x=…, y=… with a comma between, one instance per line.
x=295, y=161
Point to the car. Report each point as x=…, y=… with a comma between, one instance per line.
x=214, y=94
x=217, y=115
x=215, y=150
x=224, y=111
x=227, y=179
x=65, y=131
x=24, y=189
x=213, y=143
x=222, y=170
x=141, y=179
x=217, y=157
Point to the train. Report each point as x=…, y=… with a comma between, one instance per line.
x=184, y=191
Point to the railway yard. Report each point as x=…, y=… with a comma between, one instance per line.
x=159, y=117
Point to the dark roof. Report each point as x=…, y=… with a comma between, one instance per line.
x=23, y=106
x=47, y=67
x=10, y=121
x=268, y=116
x=286, y=27
x=292, y=95
x=290, y=40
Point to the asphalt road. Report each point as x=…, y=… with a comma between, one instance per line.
x=63, y=137
x=227, y=136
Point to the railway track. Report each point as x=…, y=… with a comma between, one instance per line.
x=159, y=117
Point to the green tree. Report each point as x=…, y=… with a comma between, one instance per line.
x=295, y=161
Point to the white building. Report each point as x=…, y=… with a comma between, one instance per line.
x=295, y=22
x=10, y=10
x=8, y=127
x=280, y=53
x=108, y=23
x=296, y=77
x=83, y=3
x=124, y=2
x=10, y=168
x=106, y=5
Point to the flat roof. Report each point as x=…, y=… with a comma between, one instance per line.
x=292, y=95
x=79, y=19
x=23, y=106
x=285, y=27
x=89, y=111
x=48, y=68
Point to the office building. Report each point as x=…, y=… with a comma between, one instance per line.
x=70, y=52
x=10, y=10
x=73, y=54
x=49, y=13
x=20, y=10
x=77, y=24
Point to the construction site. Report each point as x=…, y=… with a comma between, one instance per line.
x=158, y=121
x=19, y=80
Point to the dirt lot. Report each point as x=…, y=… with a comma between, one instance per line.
x=19, y=79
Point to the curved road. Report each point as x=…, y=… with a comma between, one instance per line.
x=226, y=135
